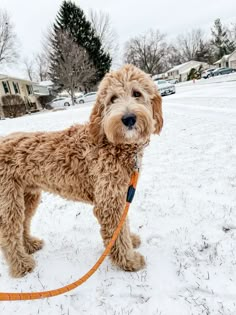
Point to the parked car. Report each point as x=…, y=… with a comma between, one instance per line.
x=165, y=88
x=173, y=81
x=208, y=73
x=57, y=102
x=68, y=101
x=221, y=71
x=89, y=97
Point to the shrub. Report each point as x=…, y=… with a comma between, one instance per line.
x=45, y=99
x=13, y=105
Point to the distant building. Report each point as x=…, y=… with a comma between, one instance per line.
x=16, y=86
x=227, y=61
x=180, y=72
x=40, y=90
x=160, y=76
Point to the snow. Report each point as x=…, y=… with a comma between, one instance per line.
x=46, y=83
x=184, y=211
x=216, y=79
x=191, y=63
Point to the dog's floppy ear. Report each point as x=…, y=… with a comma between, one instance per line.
x=95, y=125
x=157, y=112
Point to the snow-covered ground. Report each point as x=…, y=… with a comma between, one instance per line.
x=217, y=79
x=184, y=210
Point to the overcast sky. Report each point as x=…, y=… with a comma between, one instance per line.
x=129, y=17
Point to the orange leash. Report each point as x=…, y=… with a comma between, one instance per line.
x=67, y=288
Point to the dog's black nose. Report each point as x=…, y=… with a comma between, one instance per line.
x=129, y=120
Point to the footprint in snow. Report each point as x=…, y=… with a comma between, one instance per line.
x=154, y=240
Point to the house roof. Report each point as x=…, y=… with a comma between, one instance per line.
x=225, y=57
x=191, y=62
x=7, y=77
x=175, y=68
x=46, y=83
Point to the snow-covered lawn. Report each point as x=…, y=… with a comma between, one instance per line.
x=184, y=210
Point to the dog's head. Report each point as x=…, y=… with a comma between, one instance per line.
x=128, y=108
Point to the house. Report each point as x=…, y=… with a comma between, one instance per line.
x=227, y=61
x=52, y=88
x=16, y=86
x=40, y=90
x=161, y=76
x=180, y=72
x=223, y=62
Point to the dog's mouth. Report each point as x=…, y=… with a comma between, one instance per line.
x=131, y=128
x=131, y=133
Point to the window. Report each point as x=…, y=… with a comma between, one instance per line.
x=16, y=87
x=29, y=89
x=6, y=87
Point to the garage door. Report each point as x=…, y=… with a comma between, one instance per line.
x=233, y=64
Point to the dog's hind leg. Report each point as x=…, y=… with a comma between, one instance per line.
x=31, y=199
x=11, y=228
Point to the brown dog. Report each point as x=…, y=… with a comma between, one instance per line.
x=90, y=163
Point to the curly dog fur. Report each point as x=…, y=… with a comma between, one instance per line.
x=90, y=163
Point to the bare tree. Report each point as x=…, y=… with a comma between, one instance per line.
x=190, y=43
x=147, y=52
x=37, y=67
x=8, y=49
x=28, y=65
x=172, y=57
x=102, y=25
x=42, y=59
x=232, y=32
x=42, y=66
x=73, y=68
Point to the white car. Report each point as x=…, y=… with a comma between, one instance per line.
x=68, y=101
x=165, y=88
x=57, y=102
x=60, y=102
x=89, y=97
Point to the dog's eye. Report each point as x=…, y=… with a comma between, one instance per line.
x=114, y=97
x=136, y=94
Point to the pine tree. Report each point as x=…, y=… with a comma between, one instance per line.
x=220, y=41
x=195, y=73
x=204, y=52
x=71, y=19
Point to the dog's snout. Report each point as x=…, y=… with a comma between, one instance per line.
x=129, y=120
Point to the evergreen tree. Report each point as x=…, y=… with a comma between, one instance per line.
x=204, y=52
x=221, y=43
x=195, y=73
x=71, y=19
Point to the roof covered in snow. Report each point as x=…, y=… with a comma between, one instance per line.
x=7, y=77
x=46, y=83
x=185, y=65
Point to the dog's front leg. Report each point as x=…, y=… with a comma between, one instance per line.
x=110, y=203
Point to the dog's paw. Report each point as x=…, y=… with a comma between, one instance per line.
x=33, y=244
x=22, y=266
x=136, y=241
x=134, y=262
